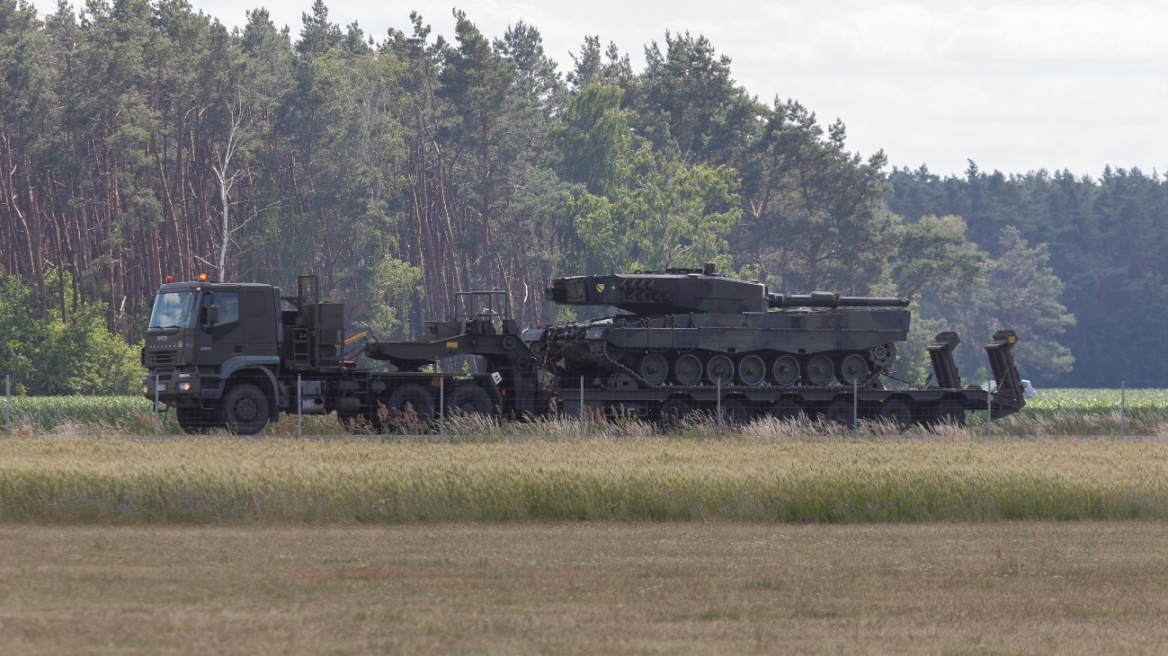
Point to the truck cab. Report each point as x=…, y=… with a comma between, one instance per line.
x=205, y=338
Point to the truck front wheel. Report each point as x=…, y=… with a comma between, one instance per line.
x=245, y=409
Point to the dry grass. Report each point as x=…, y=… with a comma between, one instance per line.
x=83, y=480
x=614, y=588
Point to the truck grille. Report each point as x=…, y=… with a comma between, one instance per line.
x=162, y=357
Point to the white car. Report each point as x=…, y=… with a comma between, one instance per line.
x=1028, y=391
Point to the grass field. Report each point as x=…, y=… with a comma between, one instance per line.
x=1087, y=588
x=216, y=479
x=1056, y=412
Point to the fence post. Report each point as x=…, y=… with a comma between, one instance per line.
x=155, y=405
x=299, y=407
x=581, y=407
x=989, y=414
x=441, y=407
x=7, y=403
x=1122, y=403
x=855, y=410
x=718, y=381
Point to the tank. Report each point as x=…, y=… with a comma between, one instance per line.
x=696, y=327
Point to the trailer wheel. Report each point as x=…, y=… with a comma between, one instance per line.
x=897, y=411
x=735, y=413
x=786, y=410
x=674, y=412
x=947, y=412
x=470, y=399
x=410, y=403
x=245, y=409
x=840, y=411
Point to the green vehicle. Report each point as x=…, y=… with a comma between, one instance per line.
x=235, y=356
x=690, y=327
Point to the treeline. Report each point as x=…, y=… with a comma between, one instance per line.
x=1106, y=239
x=141, y=139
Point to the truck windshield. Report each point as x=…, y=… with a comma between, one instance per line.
x=173, y=310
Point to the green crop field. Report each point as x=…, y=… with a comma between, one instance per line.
x=217, y=479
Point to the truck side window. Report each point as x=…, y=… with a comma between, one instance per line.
x=228, y=303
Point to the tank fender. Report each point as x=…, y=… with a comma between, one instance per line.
x=262, y=363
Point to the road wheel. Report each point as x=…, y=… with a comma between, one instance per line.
x=853, y=369
x=751, y=370
x=245, y=409
x=786, y=410
x=410, y=407
x=840, y=411
x=469, y=399
x=674, y=413
x=193, y=421
x=653, y=369
x=720, y=369
x=898, y=411
x=820, y=371
x=688, y=370
x=786, y=370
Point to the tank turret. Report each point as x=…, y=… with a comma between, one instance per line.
x=693, y=327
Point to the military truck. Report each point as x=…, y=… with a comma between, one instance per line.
x=235, y=356
x=229, y=355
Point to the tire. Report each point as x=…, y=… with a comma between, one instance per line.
x=787, y=410
x=469, y=399
x=245, y=409
x=840, y=411
x=410, y=403
x=735, y=413
x=898, y=411
x=674, y=413
x=947, y=412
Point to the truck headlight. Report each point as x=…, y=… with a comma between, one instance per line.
x=184, y=387
x=145, y=388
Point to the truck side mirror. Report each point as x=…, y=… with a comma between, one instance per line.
x=213, y=315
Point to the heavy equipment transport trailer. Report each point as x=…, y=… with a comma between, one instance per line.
x=947, y=402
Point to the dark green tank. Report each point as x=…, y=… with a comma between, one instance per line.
x=690, y=327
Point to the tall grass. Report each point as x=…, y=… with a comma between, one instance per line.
x=1059, y=412
x=199, y=480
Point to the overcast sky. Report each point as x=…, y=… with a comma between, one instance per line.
x=1014, y=86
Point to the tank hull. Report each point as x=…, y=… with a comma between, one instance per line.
x=731, y=349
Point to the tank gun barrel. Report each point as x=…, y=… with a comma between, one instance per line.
x=830, y=300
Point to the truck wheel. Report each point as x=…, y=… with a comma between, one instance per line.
x=470, y=400
x=410, y=403
x=245, y=409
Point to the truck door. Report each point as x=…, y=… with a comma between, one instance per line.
x=225, y=338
